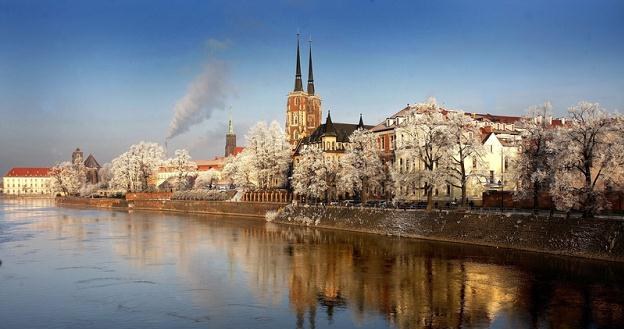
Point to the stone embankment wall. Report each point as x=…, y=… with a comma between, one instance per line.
x=87, y=202
x=591, y=238
x=149, y=196
x=247, y=209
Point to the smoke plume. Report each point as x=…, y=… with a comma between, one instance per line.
x=207, y=93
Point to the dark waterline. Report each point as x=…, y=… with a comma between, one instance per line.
x=78, y=268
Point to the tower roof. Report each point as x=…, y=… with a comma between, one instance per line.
x=298, y=83
x=91, y=162
x=361, y=123
x=329, y=130
x=230, y=130
x=310, y=74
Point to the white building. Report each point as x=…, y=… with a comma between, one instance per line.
x=500, y=136
x=27, y=181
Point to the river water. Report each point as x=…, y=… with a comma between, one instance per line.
x=83, y=268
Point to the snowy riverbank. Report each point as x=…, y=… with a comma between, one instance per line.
x=589, y=238
x=230, y=208
x=594, y=238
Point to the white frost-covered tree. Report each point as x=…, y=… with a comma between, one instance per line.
x=269, y=154
x=239, y=170
x=132, y=170
x=361, y=169
x=207, y=180
x=466, y=146
x=313, y=175
x=124, y=174
x=423, y=147
x=105, y=173
x=587, y=159
x=183, y=169
x=532, y=167
x=68, y=178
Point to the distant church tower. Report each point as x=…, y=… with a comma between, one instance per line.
x=230, y=140
x=77, y=153
x=303, y=109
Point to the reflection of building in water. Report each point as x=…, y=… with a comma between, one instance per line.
x=411, y=285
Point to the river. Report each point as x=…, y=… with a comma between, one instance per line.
x=84, y=268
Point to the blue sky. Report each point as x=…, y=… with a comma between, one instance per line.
x=105, y=74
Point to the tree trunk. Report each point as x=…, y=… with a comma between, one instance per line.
x=429, y=198
x=364, y=195
x=589, y=202
x=463, y=195
x=464, y=183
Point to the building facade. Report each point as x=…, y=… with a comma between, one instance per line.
x=500, y=136
x=333, y=139
x=91, y=165
x=93, y=168
x=303, y=108
x=27, y=181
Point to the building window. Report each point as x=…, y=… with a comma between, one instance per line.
x=506, y=164
x=474, y=162
x=448, y=189
x=492, y=176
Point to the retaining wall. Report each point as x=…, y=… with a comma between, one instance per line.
x=591, y=238
x=87, y=202
x=247, y=209
x=148, y=196
x=253, y=209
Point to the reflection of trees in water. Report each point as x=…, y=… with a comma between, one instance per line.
x=409, y=283
x=428, y=285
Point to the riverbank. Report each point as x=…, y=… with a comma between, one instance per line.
x=595, y=238
x=25, y=196
x=229, y=208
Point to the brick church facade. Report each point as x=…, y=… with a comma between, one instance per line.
x=303, y=108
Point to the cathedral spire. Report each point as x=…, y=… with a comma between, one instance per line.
x=310, y=74
x=298, y=83
x=230, y=138
x=361, y=123
x=230, y=127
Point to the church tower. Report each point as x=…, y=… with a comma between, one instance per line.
x=303, y=109
x=230, y=139
x=77, y=154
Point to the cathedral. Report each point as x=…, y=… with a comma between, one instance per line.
x=303, y=108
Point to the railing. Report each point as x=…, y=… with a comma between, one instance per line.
x=267, y=196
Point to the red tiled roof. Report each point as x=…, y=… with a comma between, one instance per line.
x=205, y=165
x=508, y=119
x=238, y=150
x=496, y=118
x=28, y=172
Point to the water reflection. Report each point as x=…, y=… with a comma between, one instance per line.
x=325, y=277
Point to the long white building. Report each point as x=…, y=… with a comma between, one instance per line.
x=27, y=181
